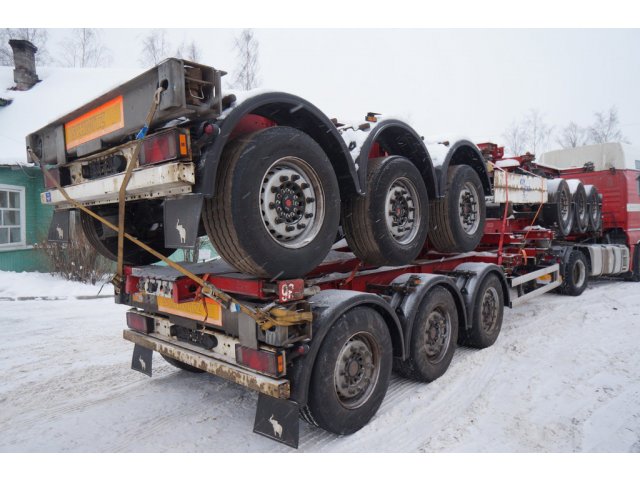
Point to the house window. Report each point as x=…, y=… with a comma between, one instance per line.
x=12, y=221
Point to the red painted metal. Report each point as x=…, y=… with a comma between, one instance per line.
x=251, y=123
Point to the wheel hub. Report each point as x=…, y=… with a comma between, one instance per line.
x=403, y=216
x=468, y=208
x=437, y=335
x=356, y=371
x=291, y=202
x=489, y=309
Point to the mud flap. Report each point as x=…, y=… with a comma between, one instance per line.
x=278, y=419
x=142, y=360
x=181, y=220
x=59, y=229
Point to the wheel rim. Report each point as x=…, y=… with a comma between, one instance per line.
x=564, y=205
x=489, y=310
x=437, y=335
x=403, y=214
x=357, y=370
x=595, y=212
x=581, y=209
x=579, y=273
x=292, y=202
x=468, y=210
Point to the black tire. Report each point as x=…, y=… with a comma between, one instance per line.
x=388, y=225
x=143, y=220
x=433, y=338
x=557, y=213
x=360, y=336
x=594, y=204
x=181, y=365
x=576, y=275
x=277, y=204
x=634, y=274
x=488, y=312
x=580, y=206
x=457, y=220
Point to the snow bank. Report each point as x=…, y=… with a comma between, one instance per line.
x=28, y=284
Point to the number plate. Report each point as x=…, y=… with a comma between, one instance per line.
x=104, y=119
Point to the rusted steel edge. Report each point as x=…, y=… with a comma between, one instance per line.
x=266, y=319
x=252, y=380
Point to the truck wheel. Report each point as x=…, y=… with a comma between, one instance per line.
x=488, y=312
x=433, y=338
x=594, y=205
x=142, y=220
x=181, y=365
x=277, y=204
x=351, y=373
x=457, y=220
x=634, y=275
x=580, y=206
x=576, y=275
x=558, y=211
x=397, y=195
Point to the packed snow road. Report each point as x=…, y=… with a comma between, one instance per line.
x=563, y=376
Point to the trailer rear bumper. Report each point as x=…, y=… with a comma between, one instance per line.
x=278, y=388
x=150, y=182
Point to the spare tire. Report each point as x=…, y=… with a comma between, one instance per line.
x=457, y=220
x=580, y=206
x=276, y=210
x=557, y=213
x=396, y=194
x=594, y=206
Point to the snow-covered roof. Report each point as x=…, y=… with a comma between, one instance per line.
x=60, y=91
x=603, y=156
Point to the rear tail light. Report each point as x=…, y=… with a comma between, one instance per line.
x=140, y=323
x=271, y=363
x=166, y=146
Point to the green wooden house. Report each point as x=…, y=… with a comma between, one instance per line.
x=29, y=100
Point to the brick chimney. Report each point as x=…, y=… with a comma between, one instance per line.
x=24, y=59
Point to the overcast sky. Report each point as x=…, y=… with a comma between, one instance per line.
x=444, y=82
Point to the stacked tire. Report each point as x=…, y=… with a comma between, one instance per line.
x=557, y=213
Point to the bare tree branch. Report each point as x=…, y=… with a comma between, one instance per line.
x=606, y=127
x=189, y=51
x=246, y=46
x=515, y=138
x=84, y=49
x=155, y=48
x=571, y=136
x=538, y=132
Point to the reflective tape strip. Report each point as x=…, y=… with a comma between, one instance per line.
x=633, y=207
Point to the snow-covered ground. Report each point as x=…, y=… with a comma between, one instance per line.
x=564, y=376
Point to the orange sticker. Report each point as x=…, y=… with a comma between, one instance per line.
x=104, y=119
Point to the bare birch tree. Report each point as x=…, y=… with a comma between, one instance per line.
x=537, y=132
x=529, y=135
x=246, y=46
x=606, y=127
x=38, y=36
x=84, y=49
x=155, y=48
x=515, y=138
x=571, y=136
x=189, y=51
